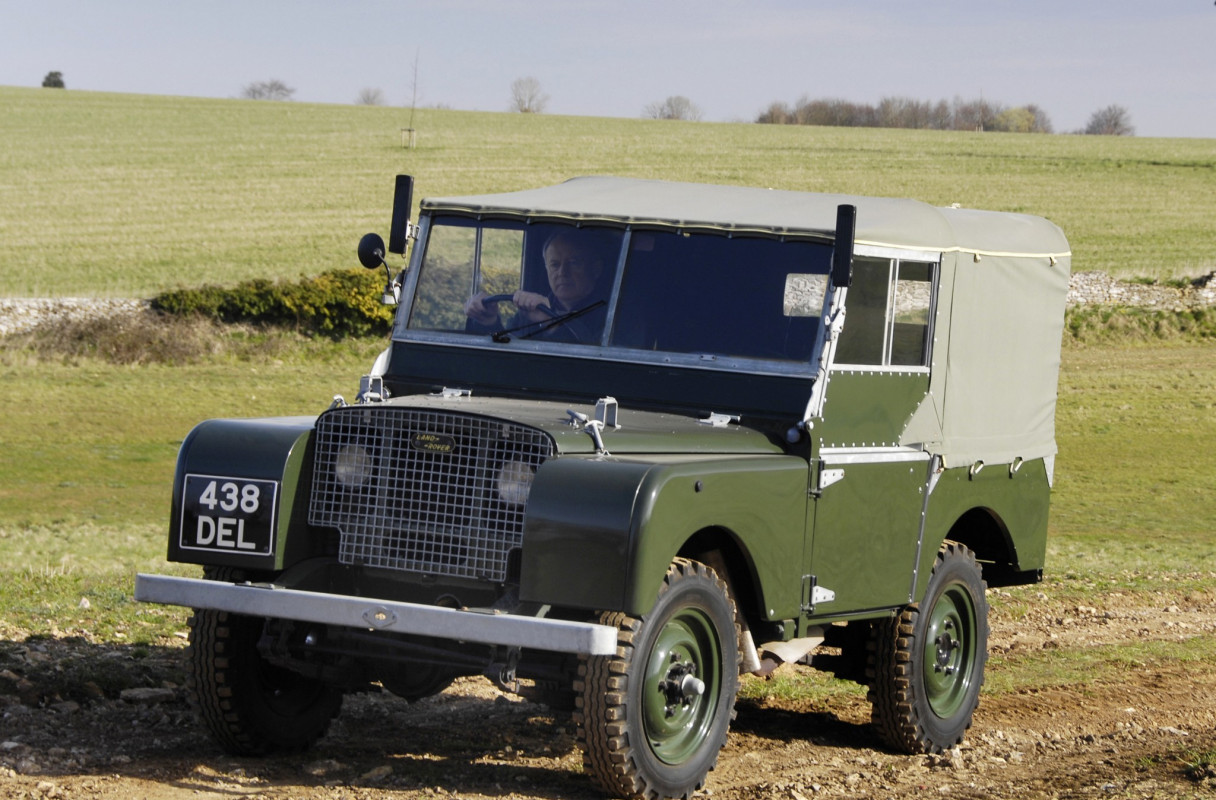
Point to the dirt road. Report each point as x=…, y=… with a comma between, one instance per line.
x=1146, y=731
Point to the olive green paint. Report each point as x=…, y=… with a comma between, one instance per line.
x=758, y=502
x=865, y=535
x=869, y=407
x=1016, y=502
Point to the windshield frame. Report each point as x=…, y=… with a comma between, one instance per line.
x=603, y=350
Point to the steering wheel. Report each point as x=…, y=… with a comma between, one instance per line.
x=507, y=298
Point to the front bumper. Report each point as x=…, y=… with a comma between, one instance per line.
x=263, y=600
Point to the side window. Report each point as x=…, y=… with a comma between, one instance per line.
x=887, y=314
x=865, y=315
x=910, y=314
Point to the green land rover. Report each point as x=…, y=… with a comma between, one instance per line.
x=631, y=439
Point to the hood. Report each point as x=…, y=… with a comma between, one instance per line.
x=638, y=432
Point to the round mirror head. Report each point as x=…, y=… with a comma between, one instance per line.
x=371, y=251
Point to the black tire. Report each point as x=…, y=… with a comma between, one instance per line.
x=250, y=706
x=927, y=662
x=645, y=730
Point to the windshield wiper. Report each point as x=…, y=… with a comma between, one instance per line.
x=563, y=319
x=542, y=326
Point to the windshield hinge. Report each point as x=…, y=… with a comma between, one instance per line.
x=372, y=389
x=605, y=414
x=717, y=420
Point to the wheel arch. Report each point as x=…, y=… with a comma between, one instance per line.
x=985, y=533
x=719, y=548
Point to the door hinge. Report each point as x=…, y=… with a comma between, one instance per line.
x=825, y=477
x=813, y=594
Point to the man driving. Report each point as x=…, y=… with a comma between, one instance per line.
x=573, y=268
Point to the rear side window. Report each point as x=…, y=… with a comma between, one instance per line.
x=888, y=314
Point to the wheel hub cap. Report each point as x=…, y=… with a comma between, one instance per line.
x=949, y=651
x=680, y=687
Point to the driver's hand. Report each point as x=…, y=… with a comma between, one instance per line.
x=475, y=309
x=530, y=303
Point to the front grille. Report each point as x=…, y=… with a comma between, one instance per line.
x=422, y=491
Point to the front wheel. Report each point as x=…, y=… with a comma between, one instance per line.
x=927, y=663
x=652, y=718
x=253, y=707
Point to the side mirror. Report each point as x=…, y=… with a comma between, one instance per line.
x=371, y=251
x=842, y=251
x=371, y=255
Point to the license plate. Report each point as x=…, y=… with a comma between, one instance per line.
x=234, y=515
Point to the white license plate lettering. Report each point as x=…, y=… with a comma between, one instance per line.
x=228, y=514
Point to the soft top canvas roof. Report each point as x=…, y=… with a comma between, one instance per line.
x=881, y=221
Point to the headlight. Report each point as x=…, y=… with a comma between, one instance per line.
x=515, y=482
x=353, y=466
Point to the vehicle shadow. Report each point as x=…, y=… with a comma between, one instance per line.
x=828, y=727
x=73, y=709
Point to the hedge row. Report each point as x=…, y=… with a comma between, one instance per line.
x=337, y=303
x=343, y=303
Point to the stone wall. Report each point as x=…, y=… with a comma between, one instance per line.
x=1098, y=288
x=22, y=314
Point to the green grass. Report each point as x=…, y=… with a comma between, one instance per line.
x=1136, y=428
x=1092, y=664
x=128, y=195
x=99, y=447
x=90, y=447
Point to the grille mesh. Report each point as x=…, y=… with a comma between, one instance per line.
x=420, y=490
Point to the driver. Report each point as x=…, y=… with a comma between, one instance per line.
x=573, y=268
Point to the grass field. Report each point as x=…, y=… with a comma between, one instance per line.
x=86, y=476
x=127, y=195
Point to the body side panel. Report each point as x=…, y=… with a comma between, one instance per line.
x=601, y=532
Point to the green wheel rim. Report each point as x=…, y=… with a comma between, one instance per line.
x=949, y=653
x=675, y=719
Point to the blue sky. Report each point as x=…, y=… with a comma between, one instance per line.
x=1156, y=58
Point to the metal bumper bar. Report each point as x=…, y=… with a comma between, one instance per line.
x=261, y=600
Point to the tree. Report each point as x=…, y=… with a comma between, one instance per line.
x=674, y=107
x=527, y=97
x=777, y=113
x=370, y=97
x=53, y=80
x=1042, y=122
x=1014, y=120
x=272, y=89
x=974, y=115
x=1113, y=120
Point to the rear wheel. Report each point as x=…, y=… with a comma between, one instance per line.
x=253, y=707
x=652, y=718
x=927, y=663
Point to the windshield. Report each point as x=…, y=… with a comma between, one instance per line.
x=678, y=293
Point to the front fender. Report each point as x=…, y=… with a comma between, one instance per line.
x=601, y=532
x=576, y=542
x=272, y=449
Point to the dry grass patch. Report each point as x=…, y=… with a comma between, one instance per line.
x=146, y=337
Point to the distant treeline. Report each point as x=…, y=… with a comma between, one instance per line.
x=904, y=112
